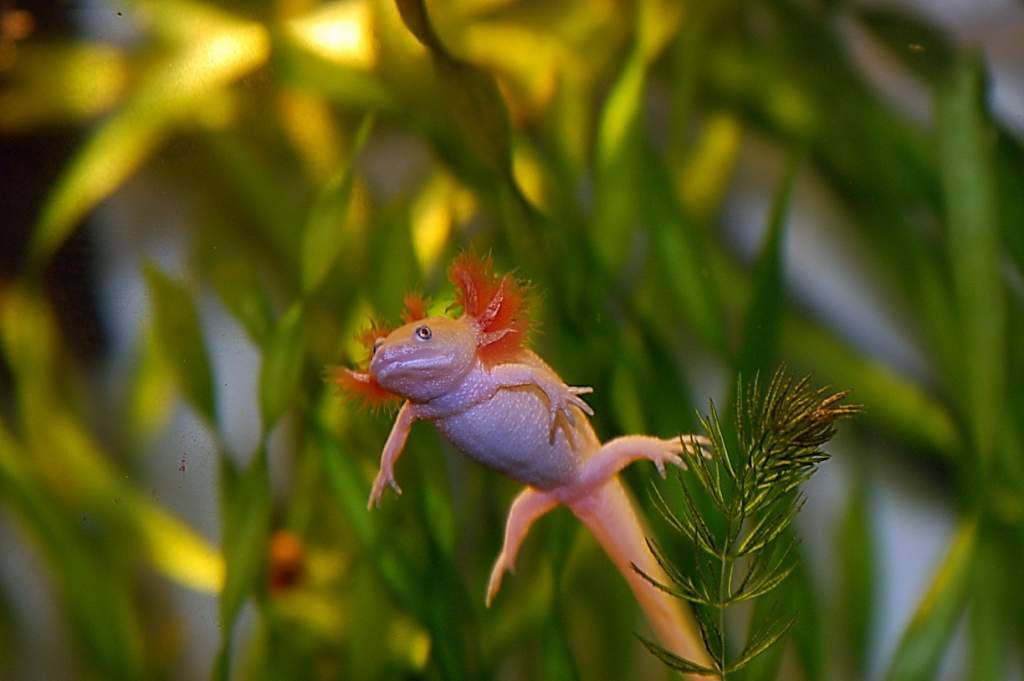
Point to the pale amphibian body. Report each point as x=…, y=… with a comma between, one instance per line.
x=499, y=403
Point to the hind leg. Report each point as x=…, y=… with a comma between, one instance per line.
x=530, y=505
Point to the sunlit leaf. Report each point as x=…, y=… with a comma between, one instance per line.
x=619, y=139
x=702, y=181
x=340, y=32
x=152, y=388
x=59, y=83
x=926, y=638
x=171, y=546
x=181, y=338
x=168, y=94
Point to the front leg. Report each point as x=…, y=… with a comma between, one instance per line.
x=530, y=505
x=560, y=396
x=622, y=451
x=392, y=450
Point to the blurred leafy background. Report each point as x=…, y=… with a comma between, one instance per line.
x=204, y=201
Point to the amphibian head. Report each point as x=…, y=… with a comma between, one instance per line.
x=425, y=358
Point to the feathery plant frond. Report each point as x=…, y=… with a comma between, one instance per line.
x=754, y=489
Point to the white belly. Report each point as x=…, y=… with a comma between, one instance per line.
x=509, y=432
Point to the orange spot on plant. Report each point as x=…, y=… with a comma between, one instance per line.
x=286, y=561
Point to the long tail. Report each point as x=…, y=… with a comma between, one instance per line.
x=610, y=515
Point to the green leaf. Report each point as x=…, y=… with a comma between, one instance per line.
x=239, y=284
x=855, y=545
x=349, y=489
x=246, y=528
x=181, y=339
x=974, y=247
x=768, y=636
x=618, y=165
x=988, y=624
x=559, y=662
x=808, y=631
x=926, y=637
x=674, y=661
x=681, y=252
x=918, y=44
x=471, y=95
x=92, y=591
x=174, y=90
x=255, y=183
x=282, y=366
x=764, y=313
x=325, y=233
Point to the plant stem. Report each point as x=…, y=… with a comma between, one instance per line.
x=723, y=594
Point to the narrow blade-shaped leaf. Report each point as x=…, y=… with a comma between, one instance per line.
x=988, y=621
x=181, y=339
x=765, y=639
x=171, y=92
x=282, y=366
x=246, y=530
x=926, y=637
x=974, y=247
x=676, y=662
x=764, y=313
x=858, y=573
x=325, y=233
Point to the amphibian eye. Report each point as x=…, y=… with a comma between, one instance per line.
x=376, y=346
x=423, y=332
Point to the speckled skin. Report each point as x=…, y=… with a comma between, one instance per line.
x=520, y=418
x=509, y=431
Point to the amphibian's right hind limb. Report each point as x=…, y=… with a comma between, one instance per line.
x=530, y=505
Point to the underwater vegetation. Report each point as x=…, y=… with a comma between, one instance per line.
x=205, y=203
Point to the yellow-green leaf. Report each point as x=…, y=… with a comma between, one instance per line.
x=246, y=528
x=181, y=339
x=282, y=366
x=325, y=232
x=926, y=638
x=172, y=91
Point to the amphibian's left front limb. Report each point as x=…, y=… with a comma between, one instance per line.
x=392, y=450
